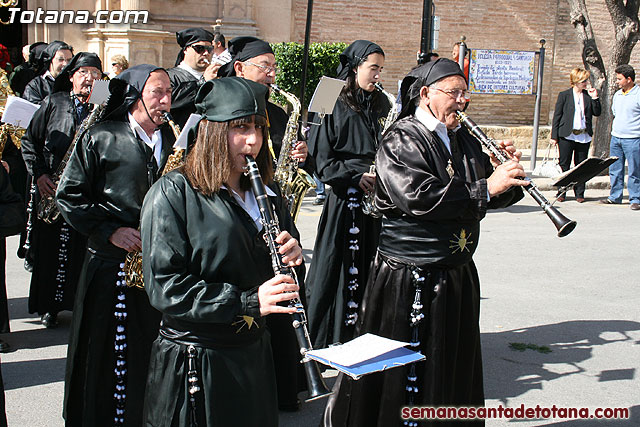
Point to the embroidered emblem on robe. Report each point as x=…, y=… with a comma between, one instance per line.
x=247, y=321
x=459, y=243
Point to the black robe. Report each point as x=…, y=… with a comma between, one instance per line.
x=38, y=89
x=344, y=147
x=430, y=231
x=101, y=190
x=57, y=250
x=8, y=198
x=184, y=87
x=203, y=261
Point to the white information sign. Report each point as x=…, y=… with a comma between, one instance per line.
x=502, y=71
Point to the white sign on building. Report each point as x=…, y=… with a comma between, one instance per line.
x=501, y=71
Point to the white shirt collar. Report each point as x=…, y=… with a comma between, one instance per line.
x=195, y=73
x=250, y=204
x=48, y=75
x=434, y=125
x=155, y=142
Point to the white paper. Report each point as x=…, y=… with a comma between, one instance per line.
x=181, y=142
x=18, y=111
x=325, y=96
x=99, y=92
x=358, y=350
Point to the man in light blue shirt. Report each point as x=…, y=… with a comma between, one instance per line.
x=625, y=138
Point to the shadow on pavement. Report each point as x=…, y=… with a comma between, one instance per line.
x=19, y=308
x=519, y=209
x=32, y=373
x=510, y=373
x=41, y=337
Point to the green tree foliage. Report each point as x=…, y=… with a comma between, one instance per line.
x=323, y=61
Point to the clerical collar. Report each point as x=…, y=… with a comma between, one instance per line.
x=435, y=125
x=195, y=73
x=155, y=142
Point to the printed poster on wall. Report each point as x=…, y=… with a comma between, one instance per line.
x=501, y=71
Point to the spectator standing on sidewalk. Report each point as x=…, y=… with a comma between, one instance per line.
x=625, y=138
x=572, y=123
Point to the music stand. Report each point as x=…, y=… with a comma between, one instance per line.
x=325, y=96
x=586, y=170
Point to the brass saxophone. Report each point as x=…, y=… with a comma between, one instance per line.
x=294, y=182
x=47, y=210
x=132, y=269
x=7, y=130
x=368, y=200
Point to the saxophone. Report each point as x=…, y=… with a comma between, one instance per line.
x=368, y=200
x=294, y=182
x=47, y=210
x=6, y=130
x=132, y=269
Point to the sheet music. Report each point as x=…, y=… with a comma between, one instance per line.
x=99, y=92
x=325, y=96
x=358, y=350
x=18, y=111
x=181, y=142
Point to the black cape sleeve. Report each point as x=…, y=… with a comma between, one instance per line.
x=75, y=195
x=174, y=286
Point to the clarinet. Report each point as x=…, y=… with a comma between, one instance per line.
x=315, y=382
x=563, y=224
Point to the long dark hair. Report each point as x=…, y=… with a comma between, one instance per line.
x=349, y=94
x=208, y=165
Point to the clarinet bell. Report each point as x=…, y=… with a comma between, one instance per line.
x=563, y=224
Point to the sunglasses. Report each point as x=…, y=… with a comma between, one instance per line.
x=200, y=49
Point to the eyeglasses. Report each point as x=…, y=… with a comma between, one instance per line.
x=200, y=49
x=265, y=68
x=85, y=73
x=455, y=94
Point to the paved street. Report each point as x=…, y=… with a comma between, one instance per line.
x=577, y=295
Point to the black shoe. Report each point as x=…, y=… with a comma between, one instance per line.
x=49, y=320
x=4, y=347
x=318, y=201
x=608, y=201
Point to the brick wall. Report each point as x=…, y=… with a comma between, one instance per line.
x=487, y=24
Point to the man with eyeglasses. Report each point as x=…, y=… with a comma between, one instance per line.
x=194, y=66
x=434, y=185
x=253, y=59
x=54, y=58
x=57, y=250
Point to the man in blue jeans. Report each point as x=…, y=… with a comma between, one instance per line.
x=625, y=138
